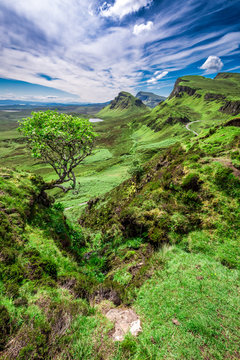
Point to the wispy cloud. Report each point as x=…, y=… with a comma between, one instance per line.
x=157, y=76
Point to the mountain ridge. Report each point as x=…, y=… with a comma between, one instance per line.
x=196, y=98
x=150, y=99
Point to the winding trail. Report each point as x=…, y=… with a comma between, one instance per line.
x=187, y=127
x=71, y=207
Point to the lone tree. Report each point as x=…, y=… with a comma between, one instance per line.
x=60, y=140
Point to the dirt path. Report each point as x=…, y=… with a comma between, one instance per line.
x=192, y=122
x=71, y=207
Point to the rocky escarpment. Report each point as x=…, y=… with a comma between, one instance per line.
x=214, y=97
x=233, y=122
x=227, y=75
x=178, y=89
x=231, y=107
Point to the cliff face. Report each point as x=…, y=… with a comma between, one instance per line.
x=178, y=90
x=196, y=98
x=231, y=107
x=222, y=85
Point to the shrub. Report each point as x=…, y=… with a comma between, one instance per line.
x=179, y=223
x=191, y=182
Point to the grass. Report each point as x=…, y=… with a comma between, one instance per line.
x=226, y=86
x=202, y=295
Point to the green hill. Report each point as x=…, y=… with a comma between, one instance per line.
x=195, y=98
x=123, y=105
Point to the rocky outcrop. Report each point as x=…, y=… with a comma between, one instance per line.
x=231, y=107
x=233, y=122
x=178, y=90
x=173, y=120
x=124, y=320
x=214, y=97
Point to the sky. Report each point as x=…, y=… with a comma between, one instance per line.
x=90, y=50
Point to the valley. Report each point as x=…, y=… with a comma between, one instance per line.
x=152, y=227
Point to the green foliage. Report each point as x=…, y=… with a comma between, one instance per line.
x=62, y=141
x=186, y=195
x=225, y=180
x=191, y=182
x=136, y=170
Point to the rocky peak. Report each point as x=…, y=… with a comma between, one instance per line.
x=125, y=100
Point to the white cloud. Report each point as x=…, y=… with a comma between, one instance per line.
x=157, y=76
x=123, y=7
x=138, y=29
x=213, y=64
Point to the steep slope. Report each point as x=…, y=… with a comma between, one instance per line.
x=124, y=104
x=44, y=312
x=195, y=98
x=181, y=196
x=171, y=238
x=150, y=99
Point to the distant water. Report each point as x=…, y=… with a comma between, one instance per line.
x=95, y=120
x=10, y=110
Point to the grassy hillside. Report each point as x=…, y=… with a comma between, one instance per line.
x=182, y=194
x=177, y=222
x=44, y=308
x=159, y=235
x=195, y=98
x=121, y=140
x=165, y=242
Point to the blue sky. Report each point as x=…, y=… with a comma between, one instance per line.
x=89, y=50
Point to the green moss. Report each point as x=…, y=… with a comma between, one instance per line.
x=5, y=326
